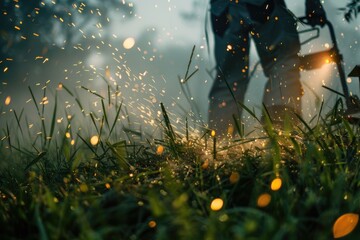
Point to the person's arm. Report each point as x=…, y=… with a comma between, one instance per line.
x=315, y=13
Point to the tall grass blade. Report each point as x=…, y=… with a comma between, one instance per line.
x=67, y=90
x=105, y=113
x=35, y=160
x=239, y=128
x=116, y=119
x=92, y=92
x=109, y=95
x=8, y=135
x=53, y=120
x=334, y=91
x=18, y=122
x=40, y=224
x=88, y=145
x=34, y=100
x=119, y=150
x=189, y=64
x=252, y=113
x=170, y=131
x=94, y=123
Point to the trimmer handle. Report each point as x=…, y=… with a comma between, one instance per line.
x=336, y=50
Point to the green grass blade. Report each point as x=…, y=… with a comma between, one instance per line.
x=35, y=160
x=189, y=63
x=116, y=118
x=34, y=100
x=18, y=122
x=92, y=92
x=170, y=131
x=40, y=224
x=105, y=113
x=53, y=120
x=88, y=145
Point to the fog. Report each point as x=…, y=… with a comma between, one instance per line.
x=149, y=72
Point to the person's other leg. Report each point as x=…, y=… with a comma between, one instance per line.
x=278, y=45
x=232, y=58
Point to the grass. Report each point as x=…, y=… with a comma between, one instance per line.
x=107, y=180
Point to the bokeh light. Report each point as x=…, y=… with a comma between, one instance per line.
x=345, y=224
x=159, y=150
x=276, y=184
x=94, y=140
x=129, y=43
x=217, y=204
x=264, y=200
x=234, y=177
x=7, y=100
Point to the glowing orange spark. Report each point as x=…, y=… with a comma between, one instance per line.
x=129, y=43
x=217, y=204
x=345, y=224
x=264, y=200
x=7, y=100
x=276, y=184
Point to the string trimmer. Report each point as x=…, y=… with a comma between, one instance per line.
x=318, y=59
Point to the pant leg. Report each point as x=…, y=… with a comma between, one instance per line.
x=277, y=43
x=232, y=59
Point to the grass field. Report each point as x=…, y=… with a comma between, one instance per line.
x=111, y=182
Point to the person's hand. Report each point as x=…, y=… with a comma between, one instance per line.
x=315, y=13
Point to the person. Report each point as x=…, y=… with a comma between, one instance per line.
x=272, y=27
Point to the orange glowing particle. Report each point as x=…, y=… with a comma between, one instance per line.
x=205, y=165
x=264, y=200
x=7, y=100
x=217, y=204
x=345, y=224
x=107, y=73
x=152, y=224
x=213, y=133
x=129, y=43
x=107, y=185
x=234, y=177
x=230, y=130
x=94, y=140
x=276, y=184
x=159, y=150
x=67, y=135
x=84, y=188
x=72, y=142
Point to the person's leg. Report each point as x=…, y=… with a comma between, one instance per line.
x=278, y=45
x=232, y=58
